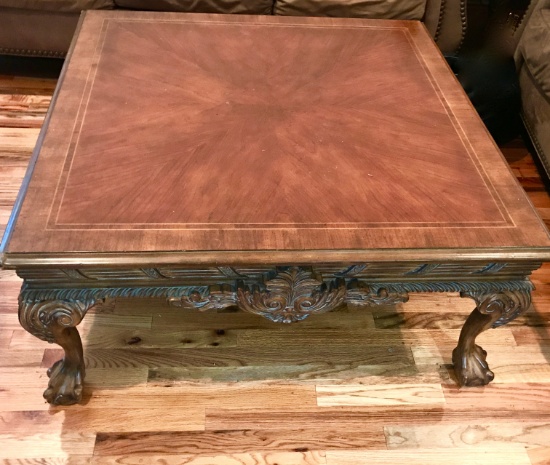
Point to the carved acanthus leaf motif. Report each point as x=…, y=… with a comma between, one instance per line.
x=291, y=296
x=216, y=298
x=509, y=304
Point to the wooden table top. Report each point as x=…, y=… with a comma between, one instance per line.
x=261, y=136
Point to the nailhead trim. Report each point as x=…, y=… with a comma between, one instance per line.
x=440, y=20
x=30, y=52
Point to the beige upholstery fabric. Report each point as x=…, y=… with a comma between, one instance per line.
x=259, y=7
x=65, y=6
x=402, y=9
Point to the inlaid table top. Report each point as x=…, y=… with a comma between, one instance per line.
x=286, y=166
x=189, y=138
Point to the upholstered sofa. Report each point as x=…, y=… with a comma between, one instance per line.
x=45, y=27
x=532, y=58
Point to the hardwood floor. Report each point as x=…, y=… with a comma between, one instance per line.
x=349, y=387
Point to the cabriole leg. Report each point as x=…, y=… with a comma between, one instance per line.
x=493, y=309
x=55, y=321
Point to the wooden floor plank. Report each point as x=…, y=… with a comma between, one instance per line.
x=466, y=435
x=235, y=442
x=477, y=456
x=261, y=356
x=253, y=458
x=386, y=394
x=63, y=419
x=25, y=446
x=539, y=455
x=354, y=417
x=203, y=395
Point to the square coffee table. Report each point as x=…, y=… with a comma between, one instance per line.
x=286, y=166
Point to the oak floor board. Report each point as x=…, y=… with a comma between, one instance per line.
x=16, y=446
x=128, y=338
x=252, y=458
x=9, y=276
x=303, y=373
x=511, y=396
x=539, y=455
x=515, y=455
x=5, y=338
x=10, y=321
x=341, y=418
x=236, y=441
x=392, y=319
x=236, y=356
x=213, y=395
x=119, y=337
x=497, y=355
x=476, y=434
x=101, y=320
x=20, y=358
x=21, y=376
x=366, y=337
x=17, y=143
x=529, y=336
x=23, y=399
x=23, y=85
x=69, y=460
x=63, y=419
x=109, y=377
x=32, y=421
x=386, y=394
x=358, y=318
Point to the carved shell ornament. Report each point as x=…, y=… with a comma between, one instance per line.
x=291, y=296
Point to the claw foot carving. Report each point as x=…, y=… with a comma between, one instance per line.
x=471, y=367
x=65, y=385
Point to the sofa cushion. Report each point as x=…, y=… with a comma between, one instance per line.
x=64, y=6
x=259, y=7
x=384, y=9
x=535, y=49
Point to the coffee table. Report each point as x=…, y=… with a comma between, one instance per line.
x=286, y=166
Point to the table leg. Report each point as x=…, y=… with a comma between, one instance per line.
x=493, y=309
x=54, y=321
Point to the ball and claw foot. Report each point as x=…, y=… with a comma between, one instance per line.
x=65, y=385
x=471, y=367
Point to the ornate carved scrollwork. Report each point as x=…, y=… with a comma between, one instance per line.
x=216, y=298
x=360, y=293
x=507, y=304
x=291, y=296
x=39, y=316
